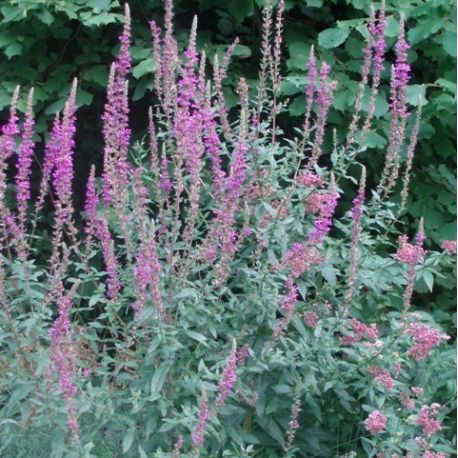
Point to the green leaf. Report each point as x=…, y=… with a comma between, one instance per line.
x=297, y=107
x=449, y=43
x=298, y=62
x=392, y=27
x=331, y=38
x=12, y=13
x=446, y=84
x=13, y=49
x=97, y=74
x=144, y=67
x=416, y=94
x=374, y=140
x=6, y=39
x=428, y=278
x=242, y=51
x=45, y=16
x=240, y=9
x=157, y=382
x=314, y=3
x=196, y=336
x=225, y=26
x=83, y=98
x=56, y=106
x=127, y=441
x=99, y=5
x=424, y=30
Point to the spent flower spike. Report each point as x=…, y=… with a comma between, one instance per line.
x=198, y=435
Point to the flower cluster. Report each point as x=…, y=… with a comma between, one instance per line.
x=375, y=423
x=408, y=253
x=449, y=245
x=360, y=331
x=311, y=319
x=381, y=375
x=425, y=338
x=309, y=179
x=427, y=419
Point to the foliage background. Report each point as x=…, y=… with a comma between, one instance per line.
x=45, y=43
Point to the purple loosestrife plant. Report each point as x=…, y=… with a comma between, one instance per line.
x=222, y=229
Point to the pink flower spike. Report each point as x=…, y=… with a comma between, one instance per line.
x=24, y=163
x=228, y=377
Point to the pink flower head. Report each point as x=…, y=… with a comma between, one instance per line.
x=425, y=338
x=300, y=258
x=311, y=319
x=408, y=253
x=417, y=390
x=360, y=331
x=375, y=422
x=449, y=245
x=381, y=375
x=427, y=419
x=430, y=454
x=322, y=225
x=309, y=179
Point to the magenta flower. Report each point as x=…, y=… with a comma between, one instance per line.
x=24, y=163
x=97, y=225
x=116, y=131
x=63, y=146
x=401, y=76
x=146, y=272
x=323, y=223
x=63, y=359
